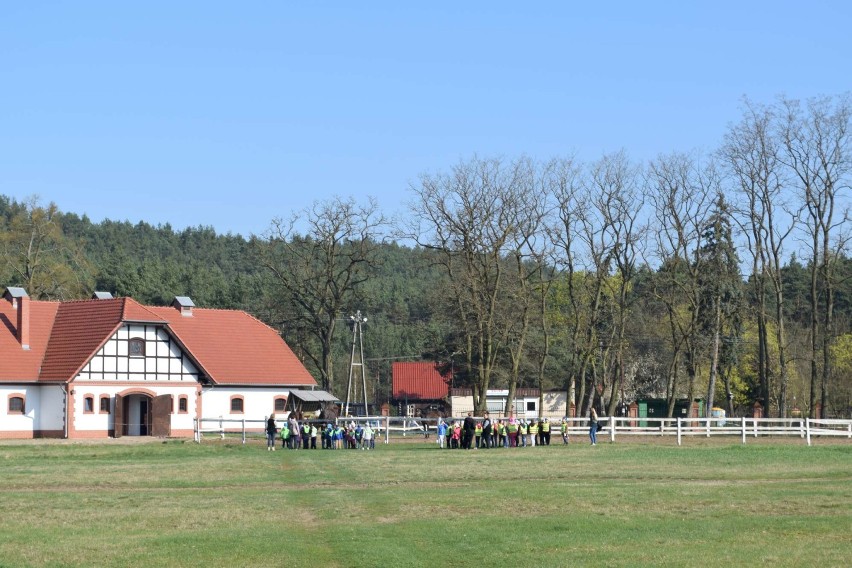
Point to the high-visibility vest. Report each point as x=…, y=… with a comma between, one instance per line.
x=478, y=429
x=513, y=428
x=533, y=429
x=545, y=427
x=564, y=427
x=285, y=433
x=523, y=429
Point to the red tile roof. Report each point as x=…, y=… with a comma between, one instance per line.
x=17, y=364
x=79, y=330
x=419, y=381
x=230, y=347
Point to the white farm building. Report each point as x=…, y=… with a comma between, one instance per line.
x=113, y=367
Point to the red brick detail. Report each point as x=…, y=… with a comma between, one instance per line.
x=23, y=329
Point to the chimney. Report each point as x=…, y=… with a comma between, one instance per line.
x=184, y=305
x=24, y=321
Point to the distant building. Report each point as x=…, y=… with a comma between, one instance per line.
x=526, y=403
x=113, y=367
x=420, y=388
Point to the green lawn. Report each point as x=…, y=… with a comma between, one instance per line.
x=411, y=504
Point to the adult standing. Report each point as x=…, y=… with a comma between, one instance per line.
x=271, y=430
x=486, y=431
x=469, y=429
x=295, y=434
x=593, y=426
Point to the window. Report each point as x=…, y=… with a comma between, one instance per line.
x=89, y=404
x=16, y=405
x=237, y=405
x=531, y=405
x=183, y=405
x=280, y=404
x=104, y=405
x=136, y=347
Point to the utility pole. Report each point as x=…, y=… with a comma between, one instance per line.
x=357, y=339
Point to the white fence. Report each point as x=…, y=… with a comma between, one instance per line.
x=384, y=426
x=222, y=427
x=744, y=428
x=613, y=427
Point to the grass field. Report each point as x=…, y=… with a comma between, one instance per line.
x=176, y=503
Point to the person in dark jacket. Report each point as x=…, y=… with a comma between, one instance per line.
x=468, y=430
x=271, y=430
x=486, y=431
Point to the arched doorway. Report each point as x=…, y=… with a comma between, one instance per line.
x=142, y=414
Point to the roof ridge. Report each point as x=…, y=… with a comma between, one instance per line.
x=231, y=310
x=125, y=300
x=196, y=308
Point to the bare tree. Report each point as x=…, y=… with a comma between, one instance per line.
x=470, y=217
x=317, y=272
x=621, y=206
x=527, y=289
x=596, y=234
x=682, y=199
x=752, y=153
x=566, y=188
x=816, y=140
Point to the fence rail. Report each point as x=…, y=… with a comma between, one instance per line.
x=613, y=427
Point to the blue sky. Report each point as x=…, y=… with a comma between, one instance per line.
x=228, y=114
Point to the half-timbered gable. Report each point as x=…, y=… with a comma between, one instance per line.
x=140, y=353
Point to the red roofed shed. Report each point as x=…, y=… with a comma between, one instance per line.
x=420, y=381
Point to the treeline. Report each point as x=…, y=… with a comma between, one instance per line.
x=722, y=276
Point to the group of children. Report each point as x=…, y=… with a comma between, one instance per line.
x=506, y=433
x=350, y=436
x=342, y=436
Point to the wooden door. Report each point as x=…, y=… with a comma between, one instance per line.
x=161, y=416
x=118, y=417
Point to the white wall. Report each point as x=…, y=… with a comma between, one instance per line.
x=18, y=422
x=98, y=421
x=258, y=403
x=555, y=404
x=43, y=408
x=461, y=405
